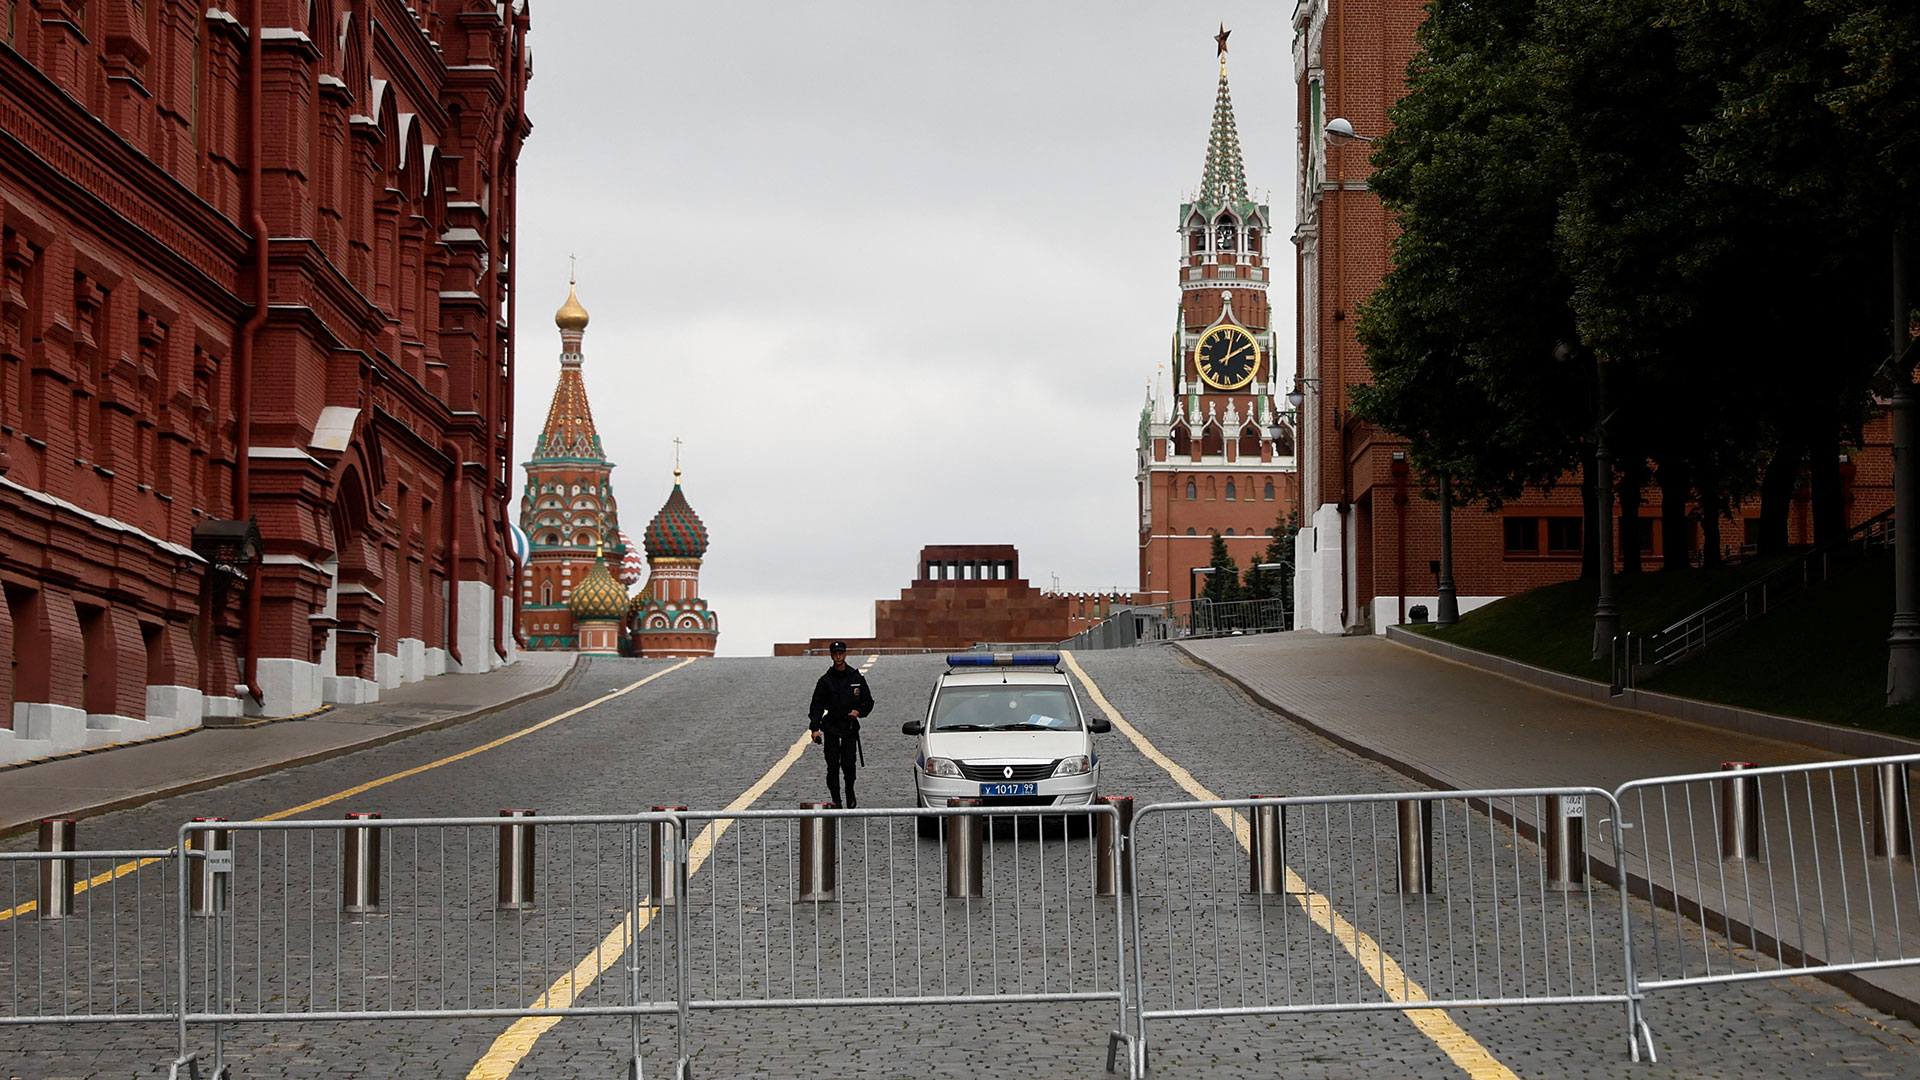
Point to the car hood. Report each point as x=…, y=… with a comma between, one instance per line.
x=1007, y=745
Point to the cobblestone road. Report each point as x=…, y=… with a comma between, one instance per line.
x=702, y=735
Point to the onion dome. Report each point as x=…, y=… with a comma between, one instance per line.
x=640, y=600
x=598, y=596
x=571, y=315
x=676, y=532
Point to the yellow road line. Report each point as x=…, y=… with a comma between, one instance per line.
x=1380, y=966
x=517, y=1041
x=129, y=867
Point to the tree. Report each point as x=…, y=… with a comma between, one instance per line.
x=1223, y=585
x=1458, y=332
x=1258, y=584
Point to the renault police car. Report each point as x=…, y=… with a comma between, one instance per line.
x=1005, y=728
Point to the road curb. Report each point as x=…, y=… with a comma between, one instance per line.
x=203, y=783
x=1859, y=985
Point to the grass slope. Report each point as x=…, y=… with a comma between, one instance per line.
x=1821, y=654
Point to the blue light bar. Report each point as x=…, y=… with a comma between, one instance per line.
x=1032, y=659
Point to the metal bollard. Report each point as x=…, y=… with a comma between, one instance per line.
x=516, y=861
x=1416, y=847
x=664, y=891
x=1566, y=834
x=360, y=867
x=1739, y=813
x=1114, y=877
x=1892, y=817
x=965, y=868
x=1266, y=855
x=819, y=846
x=56, y=875
x=207, y=878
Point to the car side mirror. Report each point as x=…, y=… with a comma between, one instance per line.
x=1099, y=725
x=913, y=727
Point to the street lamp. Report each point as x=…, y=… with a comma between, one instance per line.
x=1297, y=397
x=1606, y=616
x=1339, y=130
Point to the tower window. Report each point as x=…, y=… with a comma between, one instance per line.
x=1192, y=493
x=1269, y=491
x=1229, y=530
x=1223, y=235
x=1230, y=490
x=1190, y=530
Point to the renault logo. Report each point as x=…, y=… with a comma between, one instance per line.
x=1007, y=772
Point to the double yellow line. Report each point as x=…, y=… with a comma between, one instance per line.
x=126, y=868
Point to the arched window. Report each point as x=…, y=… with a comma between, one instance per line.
x=1230, y=490
x=1223, y=235
x=1190, y=530
x=1229, y=530
x=1269, y=491
x=546, y=593
x=1191, y=494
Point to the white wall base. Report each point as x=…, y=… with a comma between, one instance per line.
x=1386, y=609
x=438, y=662
x=287, y=687
x=173, y=708
x=475, y=632
x=62, y=727
x=1317, y=578
x=348, y=690
x=105, y=729
x=412, y=654
x=218, y=705
x=386, y=670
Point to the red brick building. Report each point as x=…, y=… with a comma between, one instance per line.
x=1207, y=458
x=255, y=366
x=967, y=594
x=1369, y=537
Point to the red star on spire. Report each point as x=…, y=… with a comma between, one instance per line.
x=1220, y=39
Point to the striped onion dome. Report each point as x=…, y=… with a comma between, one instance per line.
x=676, y=532
x=598, y=596
x=633, y=565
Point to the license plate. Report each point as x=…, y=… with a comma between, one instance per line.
x=1009, y=789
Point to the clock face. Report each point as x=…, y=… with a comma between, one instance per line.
x=1227, y=357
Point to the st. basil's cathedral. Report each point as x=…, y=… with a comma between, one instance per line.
x=578, y=566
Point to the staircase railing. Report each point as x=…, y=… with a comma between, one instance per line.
x=1702, y=628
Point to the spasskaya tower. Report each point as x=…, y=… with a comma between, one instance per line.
x=1209, y=459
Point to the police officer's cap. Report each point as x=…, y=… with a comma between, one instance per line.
x=838, y=646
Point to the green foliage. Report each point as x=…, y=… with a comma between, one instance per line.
x=1223, y=584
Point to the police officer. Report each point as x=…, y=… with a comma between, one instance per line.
x=840, y=699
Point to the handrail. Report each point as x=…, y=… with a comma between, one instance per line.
x=1690, y=634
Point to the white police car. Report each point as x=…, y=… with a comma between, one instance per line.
x=1005, y=728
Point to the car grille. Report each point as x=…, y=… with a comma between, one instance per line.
x=1024, y=773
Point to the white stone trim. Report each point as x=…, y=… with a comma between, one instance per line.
x=103, y=521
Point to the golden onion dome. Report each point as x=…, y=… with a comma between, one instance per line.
x=598, y=596
x=571, y=315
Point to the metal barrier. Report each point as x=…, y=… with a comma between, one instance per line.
x=382, y=919
x=1434, y=900
x=1391, y=901
x=1030, y=926
x=1787, y=864
x=85, y=935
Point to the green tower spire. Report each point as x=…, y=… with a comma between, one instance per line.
x=1224, y=179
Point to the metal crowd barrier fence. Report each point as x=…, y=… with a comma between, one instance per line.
x=1006, y=907
x=1759, y=873
x=371, y=919
x=85, y=936
x=1366, y=902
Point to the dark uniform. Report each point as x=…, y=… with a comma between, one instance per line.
x=840, y=691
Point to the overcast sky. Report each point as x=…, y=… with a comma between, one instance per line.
x=897, y=273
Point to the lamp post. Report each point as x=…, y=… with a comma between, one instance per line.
x=1903, y=643
x=1447, y=602
x=1606, y=616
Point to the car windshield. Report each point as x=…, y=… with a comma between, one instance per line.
x=1005, y=708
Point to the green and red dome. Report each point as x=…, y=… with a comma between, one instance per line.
x=676, y=532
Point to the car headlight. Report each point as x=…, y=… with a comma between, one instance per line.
x=939, y=766
x=1077, y=765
